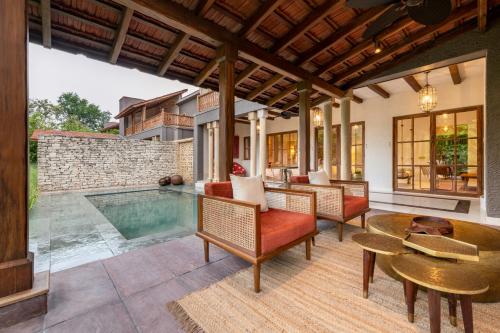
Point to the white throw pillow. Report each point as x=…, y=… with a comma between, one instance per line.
x=249, y=189
x=318, y=178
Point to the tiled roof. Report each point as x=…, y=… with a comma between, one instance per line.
x=71, y=134
x=111, y=125
x=149, y=102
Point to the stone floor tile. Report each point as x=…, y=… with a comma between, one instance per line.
x=78, y=290
x=111, y=318
x=33, y=325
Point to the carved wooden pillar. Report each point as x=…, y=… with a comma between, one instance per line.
x=226, y=56
x=304, y=89
x=16, y=263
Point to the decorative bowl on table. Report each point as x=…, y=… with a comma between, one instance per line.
x=430, y=225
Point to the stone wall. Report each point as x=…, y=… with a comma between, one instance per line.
x=83, y=163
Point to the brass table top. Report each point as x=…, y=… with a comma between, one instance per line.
x=442, y=247
x=441, y=275
x=486, y=239
x=381, y=244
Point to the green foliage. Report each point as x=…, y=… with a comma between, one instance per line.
x=71, y=113
x=33, y=185
x=115, y=131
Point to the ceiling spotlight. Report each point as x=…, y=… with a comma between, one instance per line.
x=378, y=47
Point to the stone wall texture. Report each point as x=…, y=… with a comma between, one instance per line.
x=84, y=163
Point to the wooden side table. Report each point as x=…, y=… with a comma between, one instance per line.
x=373, y=244
x=458, y=280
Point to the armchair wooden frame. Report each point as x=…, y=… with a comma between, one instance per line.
x=330, y=200
x=235, y=226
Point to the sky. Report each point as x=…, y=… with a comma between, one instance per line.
x=53, y=72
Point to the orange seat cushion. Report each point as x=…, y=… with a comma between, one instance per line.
x=354, y=205
x=221, y=189
x=304, y=179
x=281, y=227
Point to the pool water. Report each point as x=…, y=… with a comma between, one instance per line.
x=141, y=213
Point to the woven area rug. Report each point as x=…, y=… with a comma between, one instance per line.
x=321, y=295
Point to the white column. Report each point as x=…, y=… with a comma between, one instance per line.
x=262, y=114
x=345, y=138
x=210, y=152
x=215, y=126
x=327, y=138
x=252, y=116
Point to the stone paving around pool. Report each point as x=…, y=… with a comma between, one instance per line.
x=66, y=230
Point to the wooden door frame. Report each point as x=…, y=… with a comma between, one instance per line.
x=480, y=151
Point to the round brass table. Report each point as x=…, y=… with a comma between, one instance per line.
x=485, y=238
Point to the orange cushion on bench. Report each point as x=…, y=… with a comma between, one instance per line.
x=353, y=205
x=303, y=179
x=221, y=189
x=281, y=227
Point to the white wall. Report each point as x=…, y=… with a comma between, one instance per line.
x=378, y=113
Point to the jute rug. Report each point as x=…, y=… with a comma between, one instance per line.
x=321, y=295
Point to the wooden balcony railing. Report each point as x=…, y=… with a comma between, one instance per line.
x=208, y=100
x=163, y=118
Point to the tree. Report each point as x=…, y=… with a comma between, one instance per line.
x=73, y=109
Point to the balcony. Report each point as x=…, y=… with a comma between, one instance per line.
x=207, y=100
x=163, y=118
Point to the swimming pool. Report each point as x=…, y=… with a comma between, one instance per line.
x=141, y=213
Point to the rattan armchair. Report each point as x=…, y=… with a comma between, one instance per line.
x=341, y=201
x=242, y=229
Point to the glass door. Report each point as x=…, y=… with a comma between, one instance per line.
x=439, y=152
x=335, y=154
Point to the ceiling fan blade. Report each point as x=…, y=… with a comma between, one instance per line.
x=392, y=14
x=430, y=11
x=365, y=4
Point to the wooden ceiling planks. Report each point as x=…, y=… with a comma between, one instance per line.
x=326, y=45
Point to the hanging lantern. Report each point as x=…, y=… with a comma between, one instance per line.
x=427, y=96
x=317, y=117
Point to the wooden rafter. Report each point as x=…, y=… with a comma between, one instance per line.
x=379, y=90
x=46, y=23
x=423, y=33
x=205, y=73
x=455, y=74
x=314, y=17
x=365, y=45
x=173, y=52
x=121, y=34
x=413, y=83
x=173, y=14
x=281, y=95
x=341, y=33
x=203, y=7
x=258, y=16
x=246, y=73
x=269, y=83
x=357, y=99
x=482, y=14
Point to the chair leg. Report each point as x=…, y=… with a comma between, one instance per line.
x=434, y=299
x=206, y=250
x=340, y=230
x=363, y=224
x=308, y=249
x=409, y=288
x=466, y=305
x=256, y=277
x=452, y=306
x=313, y=241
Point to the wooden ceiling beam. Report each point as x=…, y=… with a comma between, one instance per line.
x=307, y=23
x=482, y=14
x=281, y=95
x=121, y=35
x=413, y=83
x=181, y=18
x=258, y=16
x=203, y=7
x=205, y=73
x=357, y=99
x=379, y=90
x=423, y=33
x=246, y=73
x=365, y=45
x=341, y=33
x=173, y=52
x=46, y=23
x=269, y=83
x=455, y=74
